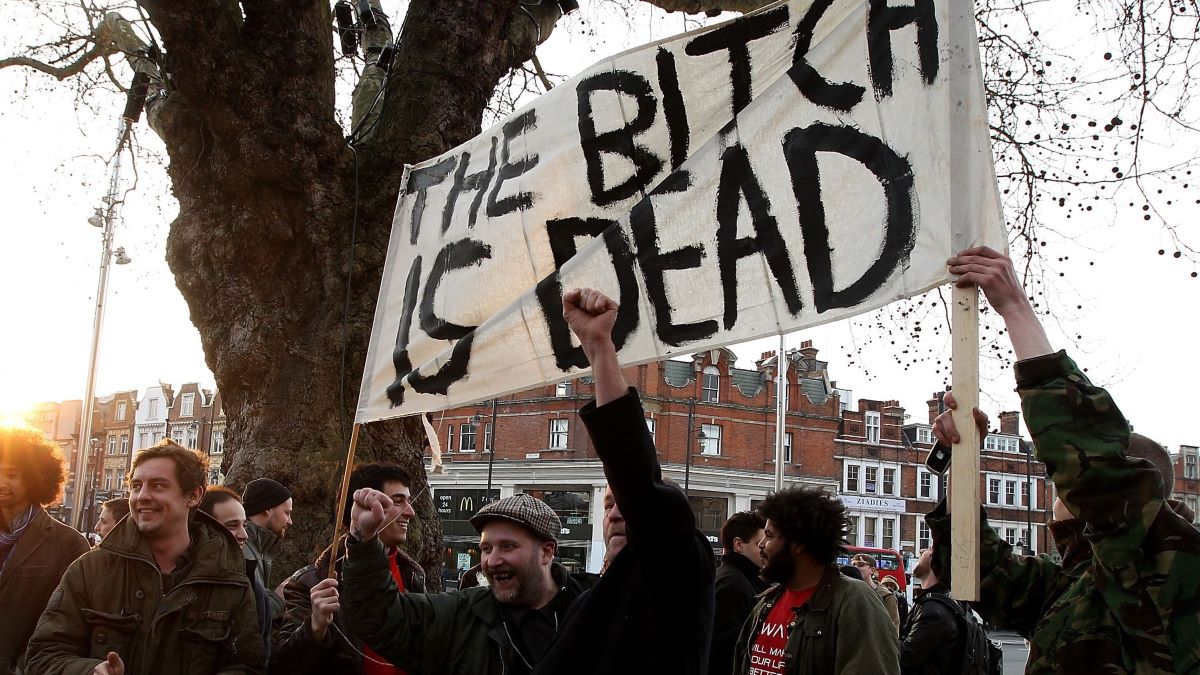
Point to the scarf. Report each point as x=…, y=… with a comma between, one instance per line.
x=8, y=540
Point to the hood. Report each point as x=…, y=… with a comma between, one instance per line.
x=215, y=552
x=1070, y=541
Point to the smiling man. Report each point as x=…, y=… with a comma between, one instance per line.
x=504, y=627
x=308, y=640
x=165, y=592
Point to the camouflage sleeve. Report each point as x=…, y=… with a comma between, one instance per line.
x=1081, y=437
x=1013, y=589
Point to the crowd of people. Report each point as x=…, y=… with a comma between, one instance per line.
x=180, y=581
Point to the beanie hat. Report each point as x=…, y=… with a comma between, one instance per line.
x=262, y=494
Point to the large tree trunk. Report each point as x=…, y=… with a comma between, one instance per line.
x=262, y=245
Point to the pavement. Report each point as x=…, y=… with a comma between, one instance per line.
x=1015, y=651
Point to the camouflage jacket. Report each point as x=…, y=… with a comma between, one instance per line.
x=1133, y=606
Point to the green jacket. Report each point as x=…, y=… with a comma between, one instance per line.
x=1133, y=605
x=261, y=547
x=843, y=629
x=111, y=599
x=459, y=633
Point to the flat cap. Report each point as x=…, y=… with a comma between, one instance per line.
x=531, y=512
x=865, y=557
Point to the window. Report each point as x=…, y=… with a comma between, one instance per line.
x=889, y=533
x=152, y=408
x=1025, y=493
x=145, y=435
x=872, y=421
x=187, y=405
x=924, y=536
x=993, y=491
x=710, y=439
x=121, y=411
x=177, y=436
x=926, y=485
x=1010, y=535
x=487, y=437
x=1189, y=466
x=1010, y=493
x=124, y=445
x=562, y=389
x=449, y=438
x=651, y=423
x=710, y=385
x=216, y=443
x=466, y=438
x=851, y=478
x=870, y=523
x=1002, y=444
x=871, y=485
x=925, y=435
x=889, y=482
x=787, y=448
x=558, y=434
x=112, y=445
x=852, y=535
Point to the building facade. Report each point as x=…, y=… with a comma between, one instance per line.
x=714, y=427
x=150, y=421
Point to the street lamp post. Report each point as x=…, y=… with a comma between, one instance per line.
x=104, y=218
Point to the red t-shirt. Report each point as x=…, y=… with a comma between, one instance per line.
x=375, y=664
x=766, y=654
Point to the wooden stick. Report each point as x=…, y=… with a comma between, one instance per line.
x=341, y=503
x=964, y=470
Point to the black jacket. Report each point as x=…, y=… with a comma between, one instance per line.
x=652, y=610
x=297, y=651
x=932, y=642
x=737, y=584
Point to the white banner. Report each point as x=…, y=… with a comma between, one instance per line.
x=798, y=165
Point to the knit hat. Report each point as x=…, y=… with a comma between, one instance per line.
x=262, y=494
x=525, y=510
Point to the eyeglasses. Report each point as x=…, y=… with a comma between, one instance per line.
x=860, y=564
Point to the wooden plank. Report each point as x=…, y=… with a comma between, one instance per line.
x=337, y=514
x=964, y=469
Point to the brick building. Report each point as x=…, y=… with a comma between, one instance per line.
x=1187, y=478
x=714, y=427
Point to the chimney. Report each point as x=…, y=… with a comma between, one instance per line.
x=1010, y=423
x=935, y=406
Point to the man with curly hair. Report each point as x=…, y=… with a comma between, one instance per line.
x=35, y=549
x=165, y=592
x=815, y=620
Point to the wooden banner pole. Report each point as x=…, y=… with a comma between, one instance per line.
x=964, y=469
x=341, y=502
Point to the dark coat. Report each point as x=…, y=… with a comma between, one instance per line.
x=34, y=567
x=652, y=610
x=296, y=650
x=843, y=629
x=737, y=584
x=459, y=633
x=932, y=642
x=111, y=599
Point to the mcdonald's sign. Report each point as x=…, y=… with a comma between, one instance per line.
x=460, y=503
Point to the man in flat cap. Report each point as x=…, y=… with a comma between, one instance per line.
x=269, y=514
x=505, y=627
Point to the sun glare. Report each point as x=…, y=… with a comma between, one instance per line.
x=14, y=414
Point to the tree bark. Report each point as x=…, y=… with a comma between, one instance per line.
x=262, y=245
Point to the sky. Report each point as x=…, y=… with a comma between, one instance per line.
x=1121, y=309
